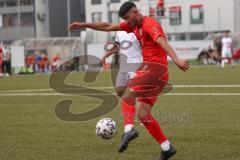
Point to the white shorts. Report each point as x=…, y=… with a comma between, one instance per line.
x=226, y=54
x=125, y=73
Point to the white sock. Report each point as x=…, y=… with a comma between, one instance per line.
x=165, y=145
x=223, y=63
x=128, y=128
x=232, y=63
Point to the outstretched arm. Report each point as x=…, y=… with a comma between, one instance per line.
x=183, y=64
x=101, y=26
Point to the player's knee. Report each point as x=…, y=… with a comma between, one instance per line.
x=144, y=116
x=143, y=110
x=128, y=94
x=120, y=91
x=142, y=113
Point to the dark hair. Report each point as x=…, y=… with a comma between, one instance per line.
x=125, y=8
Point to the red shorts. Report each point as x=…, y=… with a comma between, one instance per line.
x=149, y=81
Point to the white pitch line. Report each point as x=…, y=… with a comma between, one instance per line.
x=30, y=94
x=26, y=90
x=175, y=86
x=203, y=94
x=206, y=86
x=168, y=94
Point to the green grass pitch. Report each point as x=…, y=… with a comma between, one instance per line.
x=202, y=127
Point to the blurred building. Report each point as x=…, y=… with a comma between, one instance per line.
x=20, y=19
x=16, y=22
x=181, y=19
x=107, y=11
x=52, y=16
x=197, y=19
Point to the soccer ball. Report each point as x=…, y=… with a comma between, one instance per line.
x=106, y=128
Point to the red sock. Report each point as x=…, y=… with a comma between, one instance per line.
x=153, y=128
x=128, y=111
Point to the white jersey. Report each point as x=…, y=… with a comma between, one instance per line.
x=130, y=56
x=6, y=53
x=129, y=47
x=226, y=46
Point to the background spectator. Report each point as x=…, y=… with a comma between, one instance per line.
x=30, y=59
x=1, y=62
x=236, y=56
x=45, y=63
x=6, y=67
x=227, y=49
x=203, y=56
x=56, y=61
x=213, y=56
x=38, y=59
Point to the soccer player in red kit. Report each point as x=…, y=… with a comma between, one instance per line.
x=150, y=79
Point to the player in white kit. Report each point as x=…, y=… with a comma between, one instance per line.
x=130, y=53
x=226, y=49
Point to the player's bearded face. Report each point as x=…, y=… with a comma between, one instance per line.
x=131, y=18
x=133, y=22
